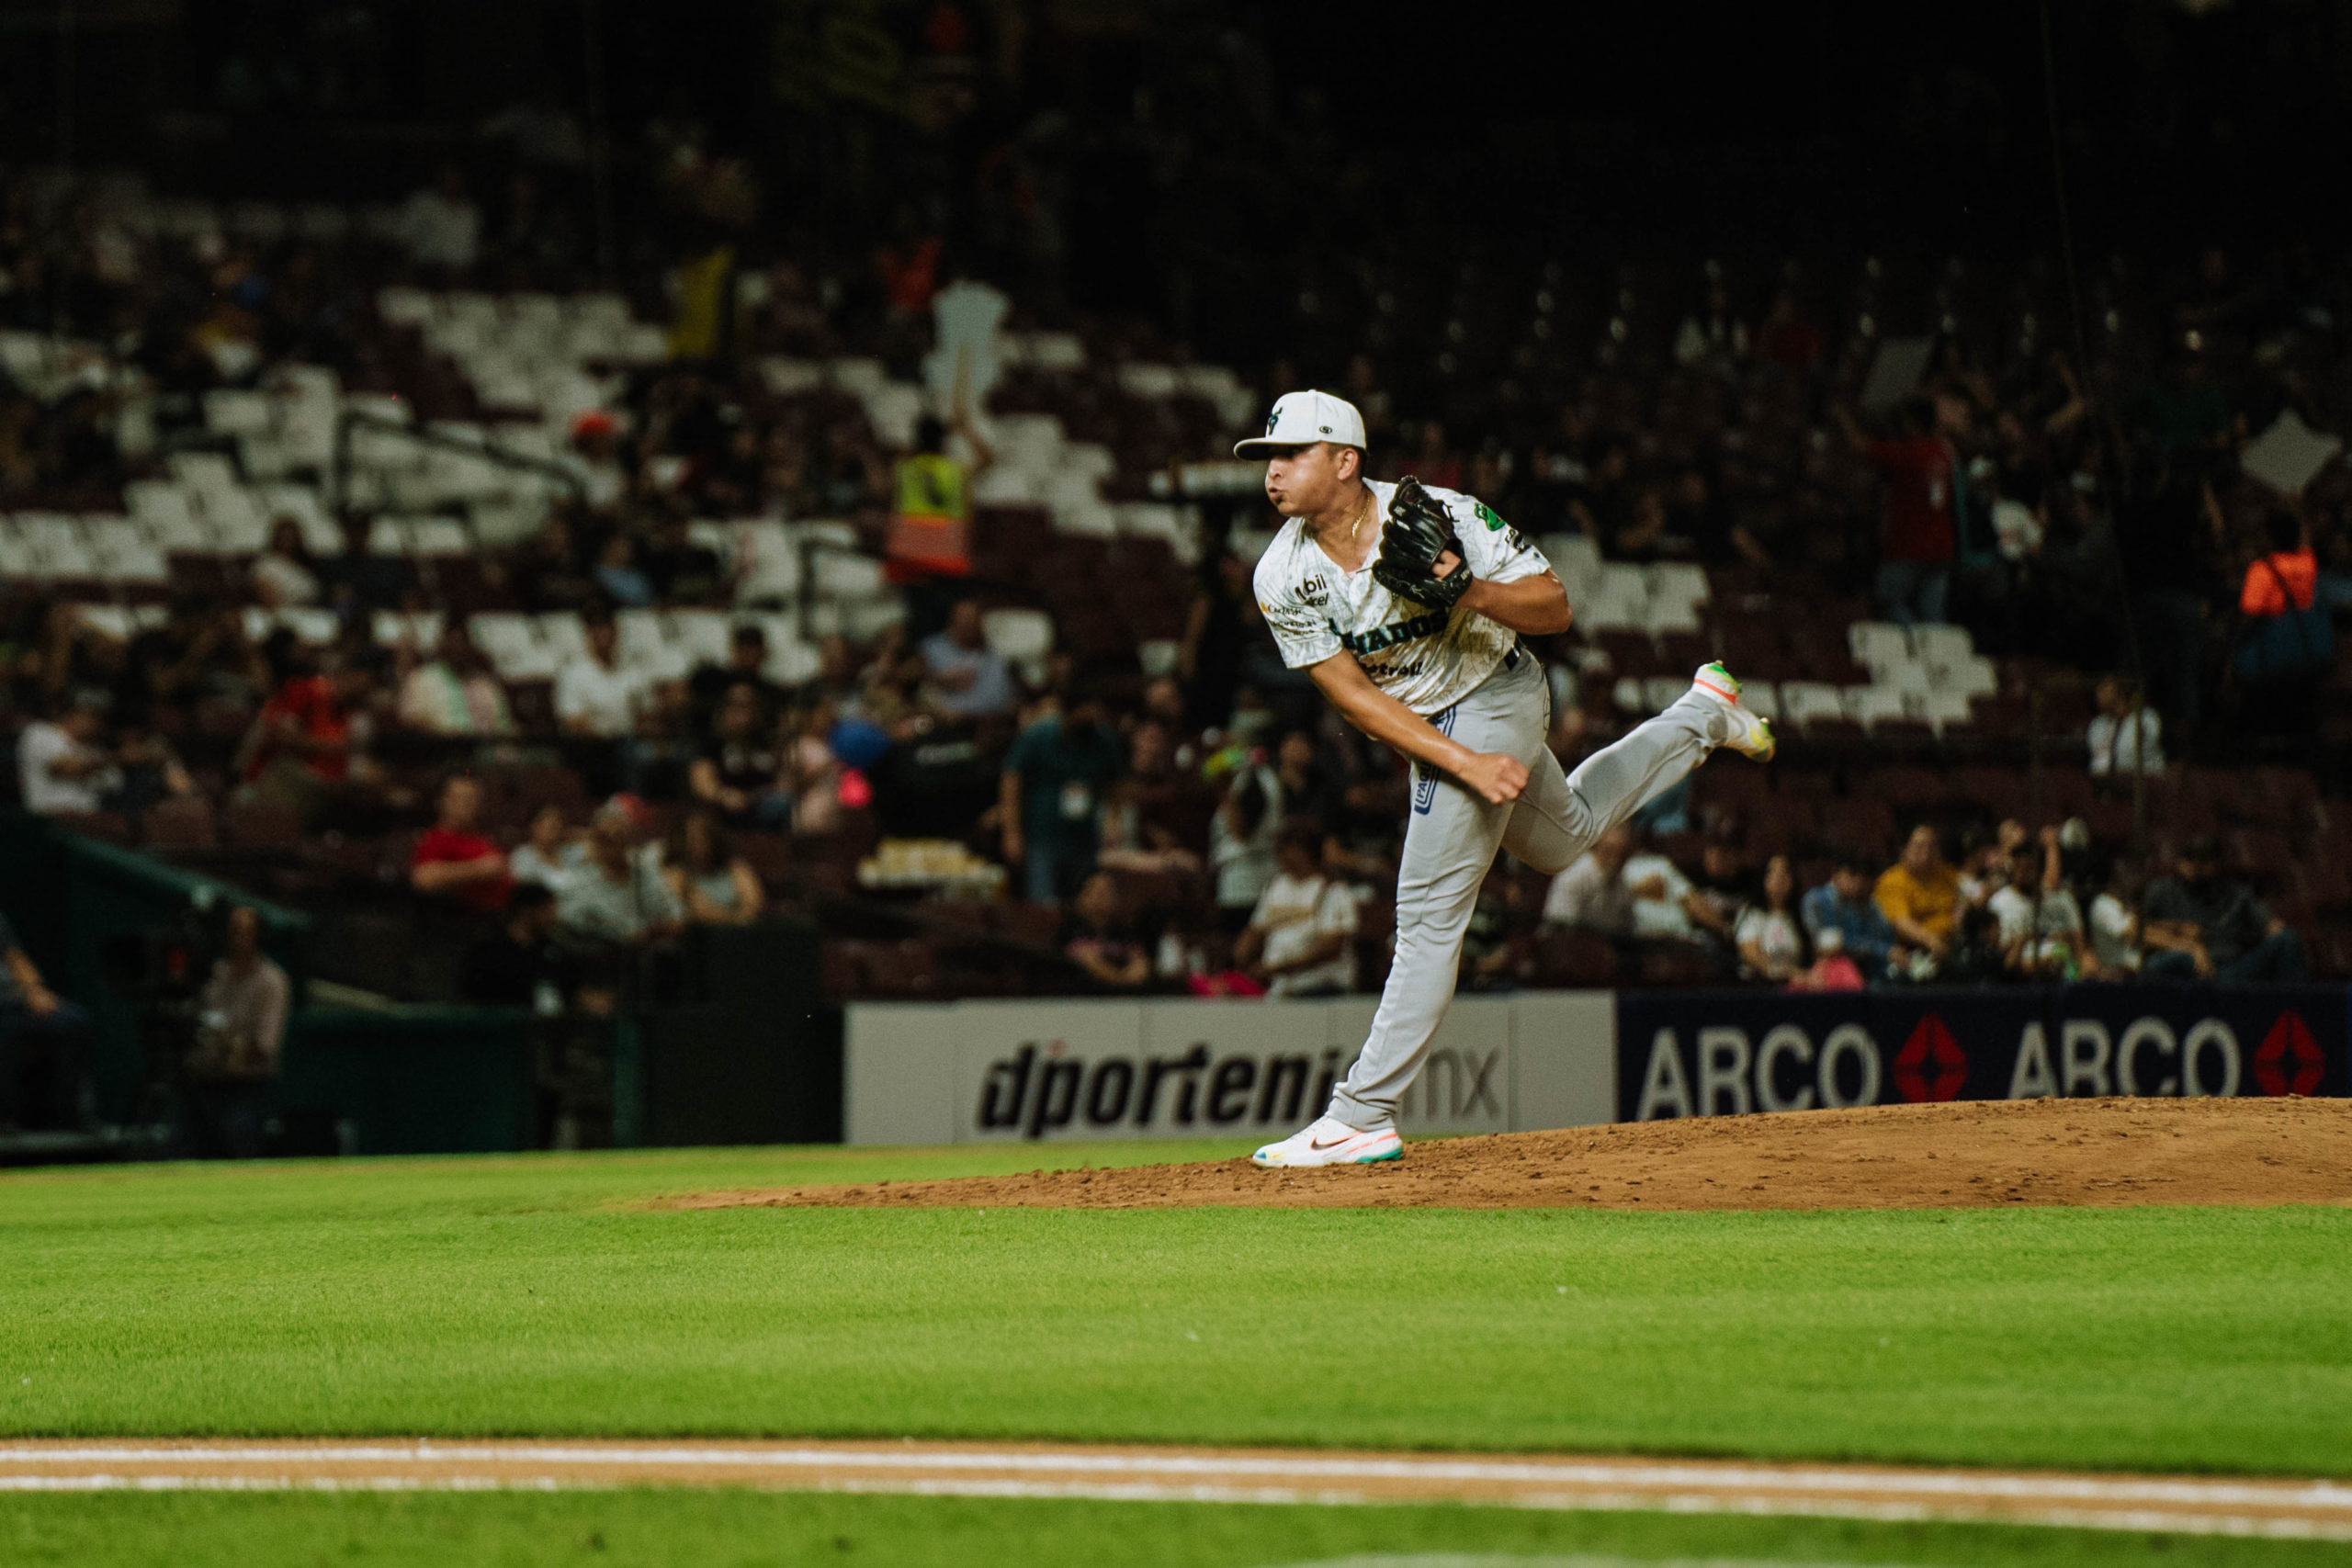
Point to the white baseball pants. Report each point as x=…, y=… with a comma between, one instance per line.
x=1453, y=834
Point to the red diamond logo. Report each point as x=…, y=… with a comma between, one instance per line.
x=1931, y=1065
x=2288, y=1061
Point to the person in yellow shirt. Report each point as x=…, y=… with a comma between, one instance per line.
x=1919, y=893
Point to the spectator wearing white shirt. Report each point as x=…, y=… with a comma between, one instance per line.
x=2114, y=922
x=2126, y=735
x=2041, y=925
x=1592, y=894
x=1301, y=938
x=284, y=575
x=439, y=225
x=594, y=695
x=1769, y=939
x=968, y=678
x=60, y=767
x=1661, y=899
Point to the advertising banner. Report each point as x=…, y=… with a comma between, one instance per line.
x=1007, y=1071
x=1731, y=1053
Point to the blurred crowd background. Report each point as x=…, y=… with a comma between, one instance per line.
x=517, y=481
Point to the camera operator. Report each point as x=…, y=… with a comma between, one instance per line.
x=241, y=1027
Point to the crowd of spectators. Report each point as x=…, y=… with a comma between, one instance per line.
x=1214, y=826
x=2016, y=907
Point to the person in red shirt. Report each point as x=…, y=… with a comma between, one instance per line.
x=1918, y=509
x=299, y=751
x=2286, y=577
x=454, y=860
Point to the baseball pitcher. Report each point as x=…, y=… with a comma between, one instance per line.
x=1406, y=605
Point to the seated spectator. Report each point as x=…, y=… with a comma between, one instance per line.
x=620, y=577
x=594, y=695
x=1830, y=970
x=814, y=776
x=200, y=653
x=1721, y=893
x=40, y=1029
x=438, y=225
x=1301, y=938
x=550, y=856
x=61, y=764
x=2200, y=925
x=1661, y=898
x=2041, y=923
x=1767, y=934
x=1975, y=955
x=1050, y=797
x=1101, y=940
x=452, y=860
x=243, y=1011
x=2126, y=735
x=152, y=770
x=510, y=968
x=711, y=882
x=618, y=897
x=2114, y=923
x=284, y=575
x=967, y=677
x=303, y=746
x=1844, y=905
x=1593, y=893
x=455, y=692
x=1241, y=839
x=747, y=663
x=682, y=571
x=1984, y=866
x=1919, y=893
x=739, y=771
x=1137, y=837
x=595, y=461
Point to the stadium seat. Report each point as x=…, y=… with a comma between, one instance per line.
x=255, y=825
x=1019, y=637
x=1808, y=704
x=179, y=824
x=1573, y=959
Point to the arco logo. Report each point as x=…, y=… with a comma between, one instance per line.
x=2288, y=1061
x=1931, y=1065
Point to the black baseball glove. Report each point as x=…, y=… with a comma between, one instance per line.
x=1416, y=533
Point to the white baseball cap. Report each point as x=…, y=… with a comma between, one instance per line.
x=1301, y=419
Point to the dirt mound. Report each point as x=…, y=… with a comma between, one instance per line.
x=1963, y=1155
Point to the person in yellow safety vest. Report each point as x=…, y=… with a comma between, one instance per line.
x=931, y=509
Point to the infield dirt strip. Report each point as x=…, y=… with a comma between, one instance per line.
x=1967, y=1154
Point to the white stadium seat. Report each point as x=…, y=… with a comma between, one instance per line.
x=1873, y=706
x=1804, y=703
x=1875, y=645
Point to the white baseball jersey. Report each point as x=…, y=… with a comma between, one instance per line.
x=1427, y=659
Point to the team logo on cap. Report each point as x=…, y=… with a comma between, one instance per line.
x=1273, y=418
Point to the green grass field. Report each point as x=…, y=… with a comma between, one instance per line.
x=529, y=1296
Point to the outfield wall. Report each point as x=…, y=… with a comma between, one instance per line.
x=1010, y=1071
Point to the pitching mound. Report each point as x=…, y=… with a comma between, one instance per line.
x=1964, y=1155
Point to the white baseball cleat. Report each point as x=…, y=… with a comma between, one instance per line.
x=1328, y=1141
x=1750, y=734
